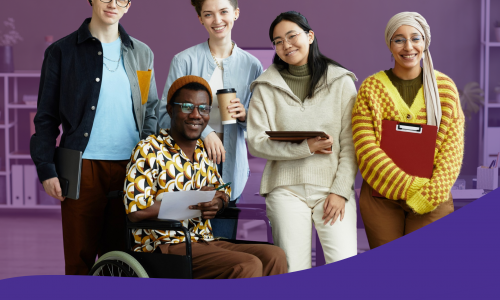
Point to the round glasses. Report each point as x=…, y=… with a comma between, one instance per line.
x=415, y=40
x=188, y=108
x=290, y=38
x=120, y=3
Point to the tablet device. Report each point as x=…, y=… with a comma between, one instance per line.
x=69, y=169
x=296, y=136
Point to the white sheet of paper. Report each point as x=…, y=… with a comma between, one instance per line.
x=175, y=205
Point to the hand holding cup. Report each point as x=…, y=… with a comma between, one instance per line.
x=224, y=97
x=238, y=108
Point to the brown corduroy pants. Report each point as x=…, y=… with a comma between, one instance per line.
x=225, y=260
x=94, y=224
x=386, y=220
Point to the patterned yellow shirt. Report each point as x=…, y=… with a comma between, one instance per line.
x=159, y=166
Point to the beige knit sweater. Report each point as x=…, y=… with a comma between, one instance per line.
x=274, y=107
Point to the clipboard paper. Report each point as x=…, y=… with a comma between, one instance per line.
x=175, y=205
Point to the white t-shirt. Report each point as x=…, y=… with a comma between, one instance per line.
x=216, y=83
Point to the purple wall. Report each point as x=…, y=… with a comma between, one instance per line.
x=351, y=32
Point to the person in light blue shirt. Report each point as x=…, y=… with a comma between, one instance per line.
x=221, y=63
x=116, y=97
x=98, y=83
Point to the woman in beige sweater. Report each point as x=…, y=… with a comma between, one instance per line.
x=305, y=91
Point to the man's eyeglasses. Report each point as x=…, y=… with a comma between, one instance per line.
x=188, y=108
x=415, y=40
x=290, y=38
x=120, y=3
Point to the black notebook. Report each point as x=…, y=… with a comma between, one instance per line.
x=69, y=169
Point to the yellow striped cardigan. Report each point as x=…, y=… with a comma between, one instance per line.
x=379, y=100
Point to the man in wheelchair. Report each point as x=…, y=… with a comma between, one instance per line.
x=175, y=161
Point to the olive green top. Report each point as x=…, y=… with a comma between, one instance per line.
x=297, y=79
x=408, y=89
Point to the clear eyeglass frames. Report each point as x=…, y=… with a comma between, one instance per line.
x=290, y=38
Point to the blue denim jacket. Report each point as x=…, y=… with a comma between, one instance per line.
x=240, y=70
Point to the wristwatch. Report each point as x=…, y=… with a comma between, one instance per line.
x=224, y=205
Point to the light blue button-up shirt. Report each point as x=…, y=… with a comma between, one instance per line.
x=240, y=70
x=115, y=96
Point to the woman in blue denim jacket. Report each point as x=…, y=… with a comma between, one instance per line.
x=220, y=62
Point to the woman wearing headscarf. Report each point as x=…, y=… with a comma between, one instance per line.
x=411, y=94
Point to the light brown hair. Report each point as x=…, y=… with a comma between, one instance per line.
x=199, y=3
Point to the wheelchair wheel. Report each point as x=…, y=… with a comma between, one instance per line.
x=118, y=264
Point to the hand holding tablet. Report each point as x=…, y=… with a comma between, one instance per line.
x=319, y=142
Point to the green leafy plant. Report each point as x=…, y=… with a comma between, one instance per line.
x=471, y=98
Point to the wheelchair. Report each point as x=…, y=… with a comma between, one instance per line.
x=159, y=265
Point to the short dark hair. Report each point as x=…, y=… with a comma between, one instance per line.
x=199, y=3
x=90, y=1
x=192, y=86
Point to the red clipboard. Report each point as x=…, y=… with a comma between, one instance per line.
x=410, y=146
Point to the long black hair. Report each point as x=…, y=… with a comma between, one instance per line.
x=317, y=63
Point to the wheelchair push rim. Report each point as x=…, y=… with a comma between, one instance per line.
x=118, y=264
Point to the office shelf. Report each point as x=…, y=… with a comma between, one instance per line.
x=9, y=125
x=488, y=137
x=23, y=73
x=21, y=106
x=39, y=206
x=10, y=140
x=491, y=44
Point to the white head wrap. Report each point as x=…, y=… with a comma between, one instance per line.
x=431, y=93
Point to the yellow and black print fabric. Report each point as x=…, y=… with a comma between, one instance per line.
x=159, y=166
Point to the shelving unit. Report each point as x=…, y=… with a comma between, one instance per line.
x=489, y=138
x=9, y=132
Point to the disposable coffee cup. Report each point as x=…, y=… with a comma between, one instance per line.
x=224, y=97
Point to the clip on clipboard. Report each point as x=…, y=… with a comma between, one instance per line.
x=410, y=146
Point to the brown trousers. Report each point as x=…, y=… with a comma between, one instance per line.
x=94, y=224
x=224, y=260
x=386, y=220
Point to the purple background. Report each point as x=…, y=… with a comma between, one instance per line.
x=351, y=32
x=455, y=249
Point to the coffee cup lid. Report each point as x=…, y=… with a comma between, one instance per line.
x=226, y=91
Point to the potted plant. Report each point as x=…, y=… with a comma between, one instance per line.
x=471, y=98
x=8, y=37
x=497, y=30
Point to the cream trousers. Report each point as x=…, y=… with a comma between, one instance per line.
x=292, y=211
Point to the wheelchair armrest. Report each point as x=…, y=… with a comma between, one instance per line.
x=243, y=213
x=162, y=225
x=229, y=213
x=155, y=224
x=247, y=213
